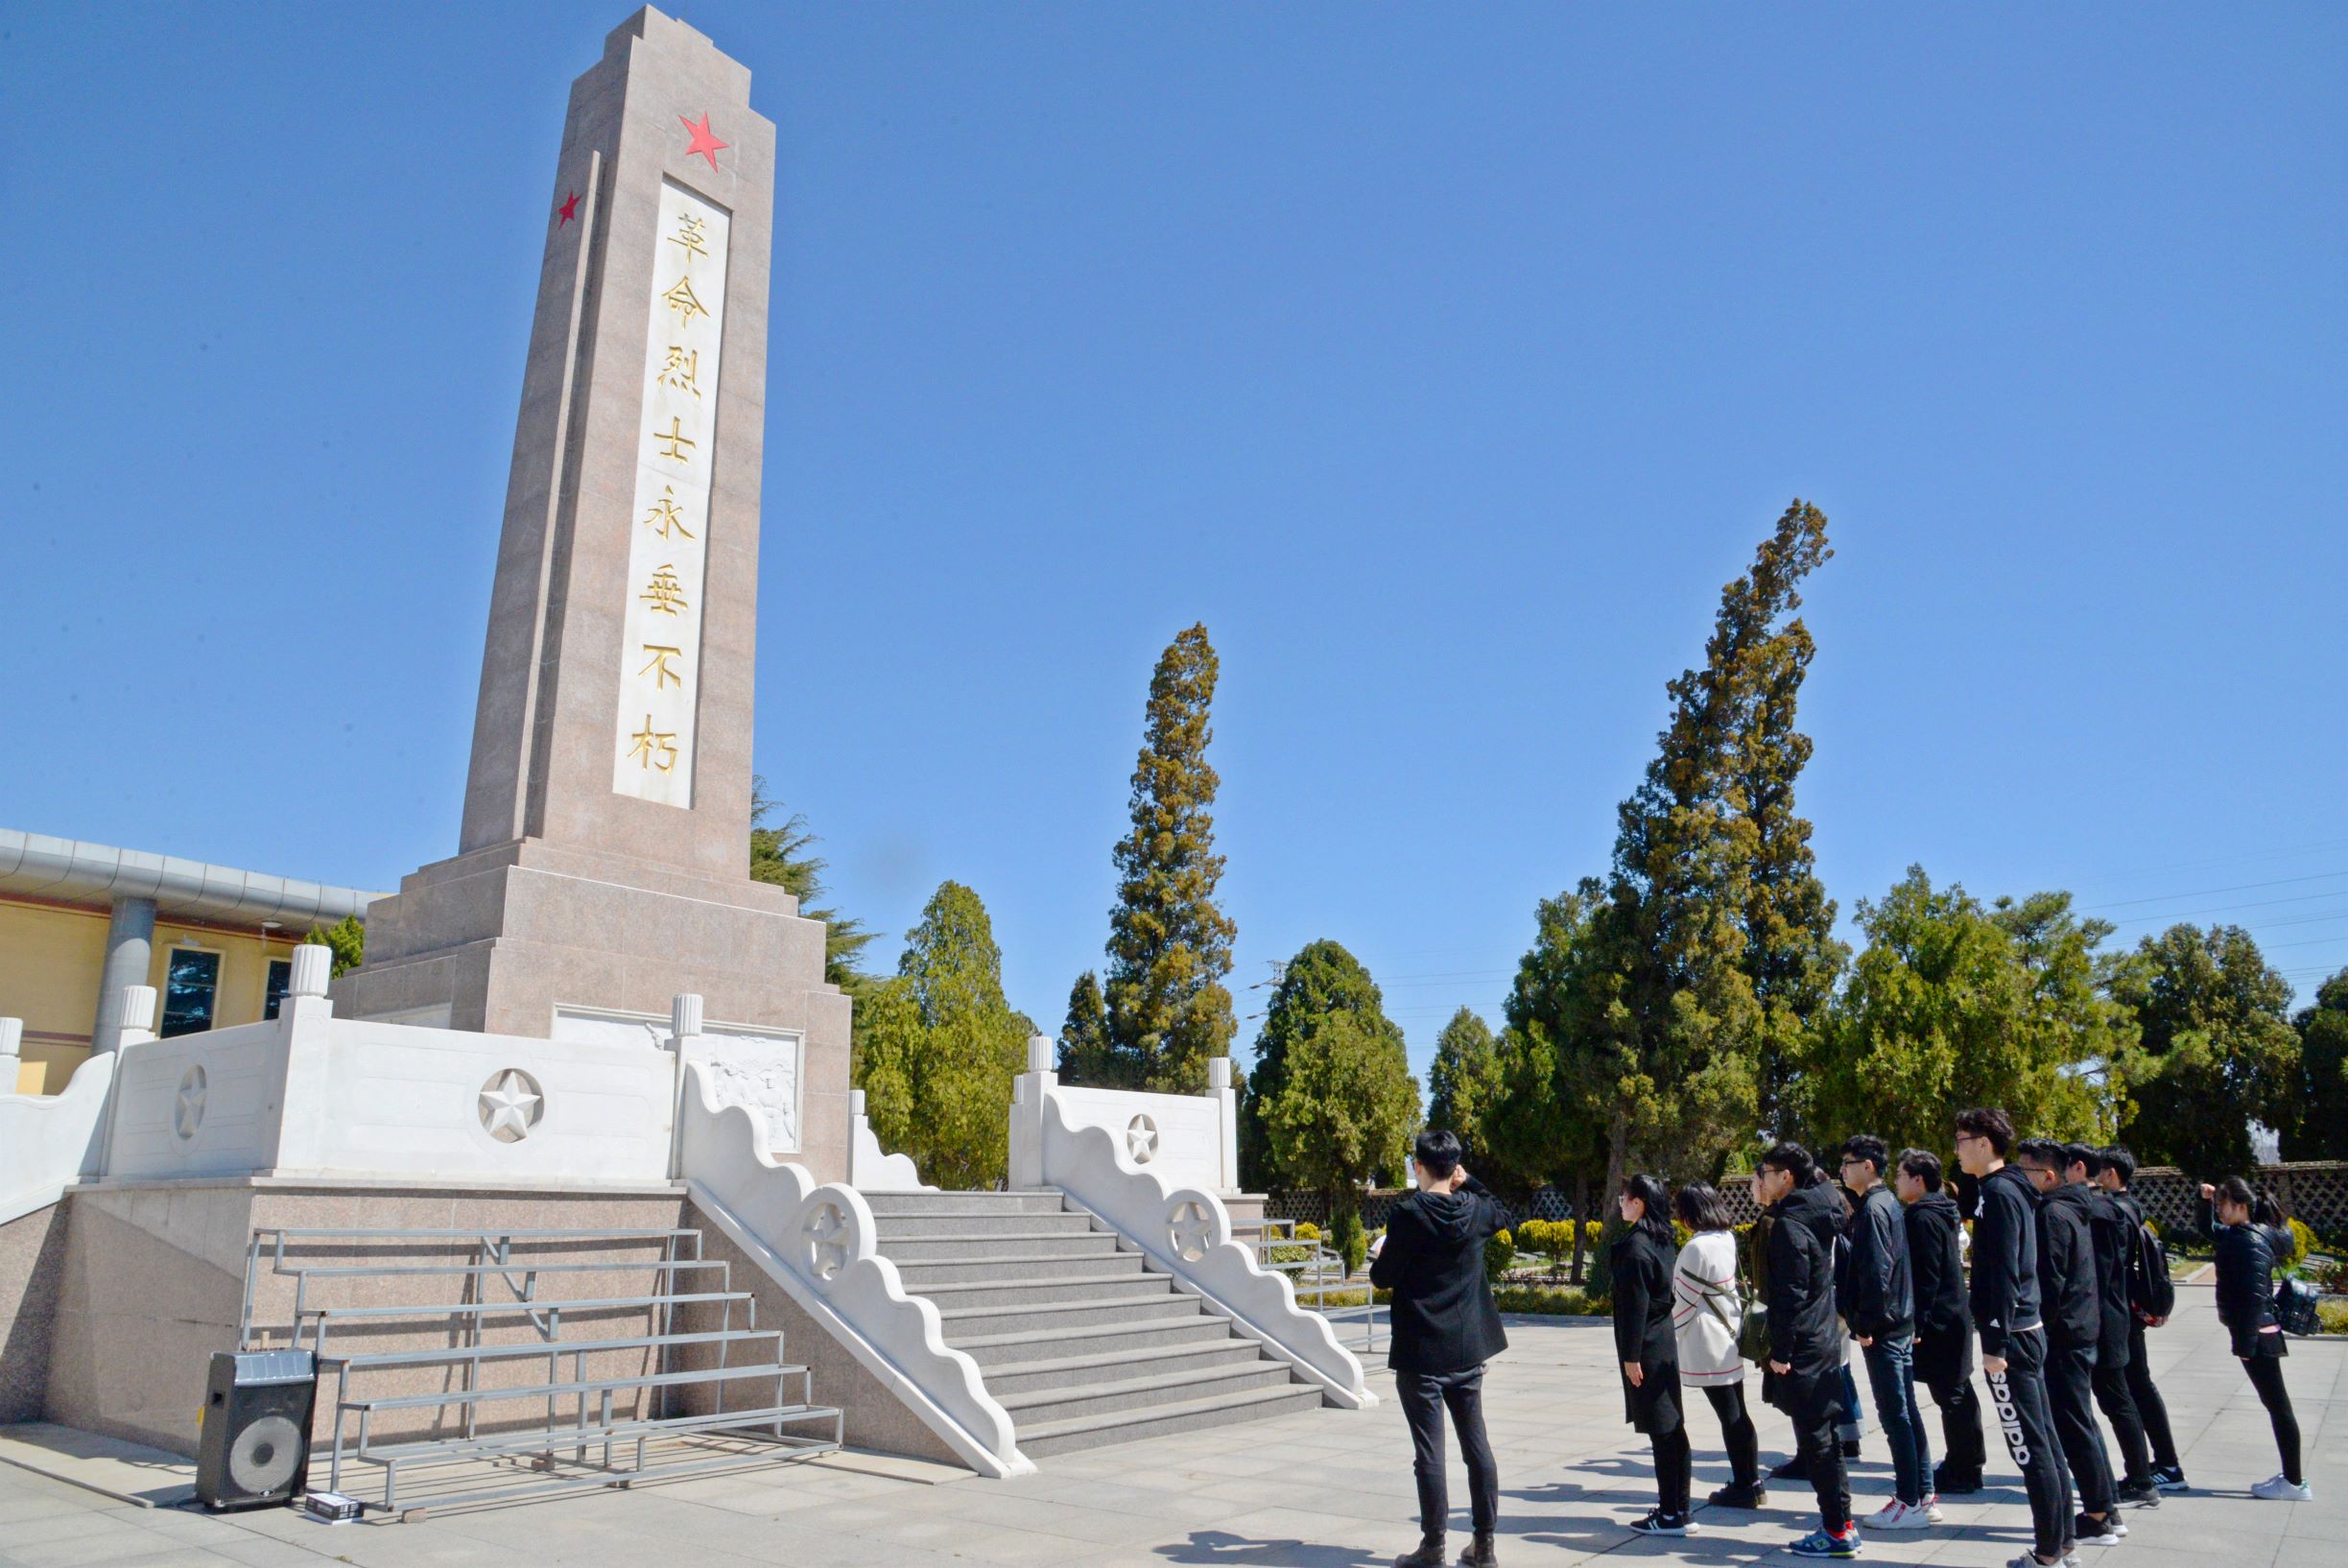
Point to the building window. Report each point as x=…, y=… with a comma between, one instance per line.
x=190, y=987
x=281, y=976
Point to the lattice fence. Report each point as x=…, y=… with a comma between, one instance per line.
x=2313, y=1191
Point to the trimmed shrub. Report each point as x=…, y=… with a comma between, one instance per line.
x=2303, y=1240
x=1349, y=1241
x=1499, y=1252
x=1307, y=1231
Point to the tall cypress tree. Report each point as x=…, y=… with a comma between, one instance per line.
x=1331, y=1102
x=1320, y=980
x=1791, y=955
x=1464, y=1078
x=780, y=855
x=1169, y=945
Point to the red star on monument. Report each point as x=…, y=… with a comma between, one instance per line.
x=704, y=141
x=569, y=208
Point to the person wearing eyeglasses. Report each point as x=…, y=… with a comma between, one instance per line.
x=2006, y=1315
x=2069, y=1294
x=1878, y=1301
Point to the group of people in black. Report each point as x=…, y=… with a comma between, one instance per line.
x=2063, y=1280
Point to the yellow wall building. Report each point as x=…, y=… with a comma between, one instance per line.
x=78, y=921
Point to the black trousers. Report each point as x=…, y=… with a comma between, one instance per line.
x=2266, y=1377
x=1737, y=1432
x=2119, y=1405
x=2150, y=1408
x=1944, y=1364
x=1425, y=1396
x=2070, y=1377
x=1814, y=1402
x=1674, y=1468
x=2019, y=1397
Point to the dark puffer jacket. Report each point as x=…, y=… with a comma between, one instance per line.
x=2067, y=1288
x=2246, y=1289
x=1937, y=1260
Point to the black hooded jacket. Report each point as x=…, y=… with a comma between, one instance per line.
x=2114, y=1236
x=1443, y=1316
x=2068, y=1292
x=2004, y=1258
x=1642, y=1268
x=1936, y=1264
x=1877, y=1298
x=1803, y=1333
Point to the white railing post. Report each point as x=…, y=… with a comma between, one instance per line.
x=12, y=1053
x=1027, y=1111
x=684, y=1024
x=139, y=1004
x=1226, y=1120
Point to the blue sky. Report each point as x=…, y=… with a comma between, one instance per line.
x=1443, y=362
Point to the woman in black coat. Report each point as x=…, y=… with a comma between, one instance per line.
x=1644, y=1340
x=2248, y=1258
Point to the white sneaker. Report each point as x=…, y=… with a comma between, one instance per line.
x=1896, y=1515
x=1931, y=1509
x=2275, y=1490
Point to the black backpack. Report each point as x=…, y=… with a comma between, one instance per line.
x=2151, y=1292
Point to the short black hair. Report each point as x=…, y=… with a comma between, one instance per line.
x=2083, y=1154
x=1700, y=1206
x=2042, y=1152
x=1924, y=1165
x=2121, y=1161
x=1438, y=1151
x=1795, y=1160
x=1990, y=1123
x=1869, y=1146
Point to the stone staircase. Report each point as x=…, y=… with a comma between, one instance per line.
x=1078, y=1339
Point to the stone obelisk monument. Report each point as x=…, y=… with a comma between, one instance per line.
x=603, y=863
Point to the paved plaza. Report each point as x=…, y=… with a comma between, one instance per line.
x=1323, y=1489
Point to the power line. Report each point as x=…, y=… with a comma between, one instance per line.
x=2203, y=893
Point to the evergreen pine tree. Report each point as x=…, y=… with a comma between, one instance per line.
x=1169, y=945
x=1084, y=1056
x=780, y=855
x=1464, y=1079
x=2320, y=1128
x=941, y=1046
x=1791, y=954
x=1340, y=1105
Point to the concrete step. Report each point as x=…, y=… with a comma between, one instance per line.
x=1011, y=1223
x=1138, y=1361
x=1042, y=1407
x=1178, y=1321
x=1042, y=1317
x=967, y=1247
x=964, y=1203
x=1010, y=1291
x=922, y=1274
x=1048, y=1438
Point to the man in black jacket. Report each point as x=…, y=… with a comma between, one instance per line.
x=2072, y=1299
x=2167, y=1472
x=1805, y=1338
x=2005, y=1301
x=1878, y=1302
x=1944, y=1326
x=1444, y=1327
x=2113, y=1237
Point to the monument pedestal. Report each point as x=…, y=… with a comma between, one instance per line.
x=539, y=939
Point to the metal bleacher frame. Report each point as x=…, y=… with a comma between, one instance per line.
x=574, y=1448
x=1314, y=1278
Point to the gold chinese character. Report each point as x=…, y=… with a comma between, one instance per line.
x=664, y=593
x=684, y=302
x=682, y=371
x=676, y=438
x=689, y=237
x=659, y=667
x=654, y=747
x=665, y=514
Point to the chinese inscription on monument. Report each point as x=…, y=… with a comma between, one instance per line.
x=668, y=543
